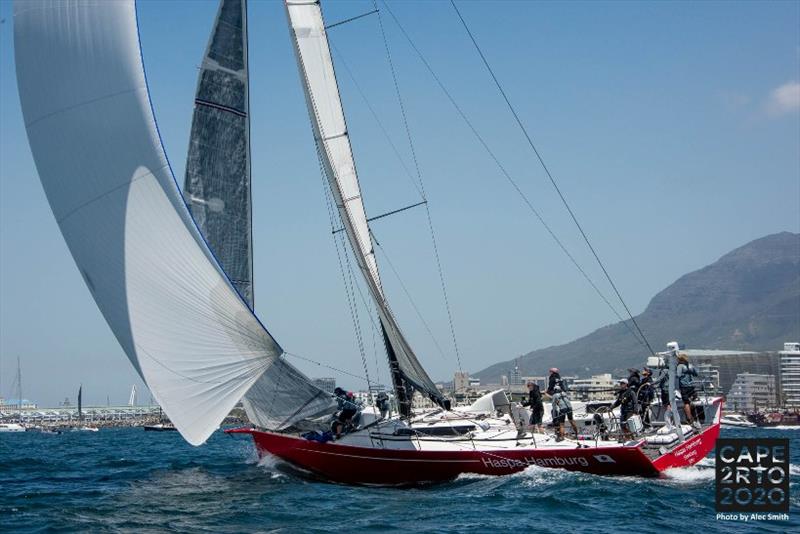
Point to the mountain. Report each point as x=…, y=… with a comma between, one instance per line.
x=749, y=299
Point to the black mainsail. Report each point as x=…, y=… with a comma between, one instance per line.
x=218, y=192
x=217, y=182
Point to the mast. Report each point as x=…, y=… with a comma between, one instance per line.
x=19, y=389
x=335, y=153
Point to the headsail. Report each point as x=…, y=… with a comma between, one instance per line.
x=93, y=136
x=217, y=182
x=80, y=403
x=335, y=153
x=218, y=192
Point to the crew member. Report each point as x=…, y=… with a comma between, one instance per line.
x=645, y=396
x=554, y=380
x=562, y=410
x=634, y=379
x=662, y=384
x=534, y=402
x=382, y=403
x=626, y=400
x=346, y=414
x=685, y=374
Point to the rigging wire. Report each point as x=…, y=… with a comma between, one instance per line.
x=408, y=295
x=549, y=175
x=400, y=158
x=422, y=187
x=331, y=208
x=411, y=178
x=342, y=371
x=347, y=280
x=507, y=175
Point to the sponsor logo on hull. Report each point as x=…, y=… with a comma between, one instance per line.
x=552, y=461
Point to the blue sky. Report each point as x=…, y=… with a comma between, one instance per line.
x=673, y=129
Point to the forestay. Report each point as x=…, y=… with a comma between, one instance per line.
x=218, y=192
x=94, y=140
x=335, y=153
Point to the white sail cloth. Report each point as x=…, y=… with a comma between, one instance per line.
x=333, y=145
x=94, y=140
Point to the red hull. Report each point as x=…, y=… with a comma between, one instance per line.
x=362, y=465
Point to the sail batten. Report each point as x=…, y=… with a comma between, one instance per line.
x=335, y=152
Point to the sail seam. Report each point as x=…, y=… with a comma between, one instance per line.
x=84, y=103
x=221, y=107
x=114, y=189
x=258, y=371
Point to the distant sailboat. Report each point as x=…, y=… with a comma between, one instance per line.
x=163, y=276
x=83, y=426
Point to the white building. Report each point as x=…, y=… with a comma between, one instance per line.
x=790, y=374
x=751, y=392
x=596, y=388
x=515, y=379
x=16, y=404
x=709, y=374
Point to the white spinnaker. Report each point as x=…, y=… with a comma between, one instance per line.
x=94, y=140
x=333, y=145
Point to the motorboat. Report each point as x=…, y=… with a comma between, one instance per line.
x=736, y=420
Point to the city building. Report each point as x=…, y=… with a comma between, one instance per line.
x=461, y=381
x=730, y=363
x=596, y=388
x=751, y=392
x=541, y=380
x=790, y=375
x=515, y=378
x=16, y=404
x=708, y=374
x=379, y=388
x=325, y=384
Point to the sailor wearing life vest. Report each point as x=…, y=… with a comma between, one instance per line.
x=646, y=395
x=348, y=415
x=561, y=411
x=627, y=402
x=685, y=374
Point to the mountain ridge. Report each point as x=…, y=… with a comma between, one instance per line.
x=749, y=299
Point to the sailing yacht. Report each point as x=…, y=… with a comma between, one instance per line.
x=171, y=272
x=82, y=425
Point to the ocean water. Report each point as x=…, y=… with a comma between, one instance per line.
x=128, y=480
